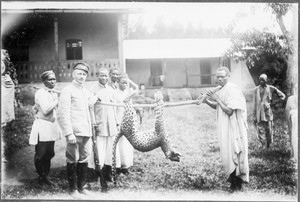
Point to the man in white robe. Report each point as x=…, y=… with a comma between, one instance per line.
x=123, y=94
x=231, y=128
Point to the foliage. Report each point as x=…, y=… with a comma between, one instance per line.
x=16, y=132
x=269, y=56
x=272, y=168
x=9, y=67
x=176, y=30
x=279, y=8
x=32, y=30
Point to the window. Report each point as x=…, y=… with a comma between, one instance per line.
x=205, y=72
x=156, y=72
x=74, y=49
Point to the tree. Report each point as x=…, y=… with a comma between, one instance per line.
x=270, y=55
x=273, y=54
x=280, y=9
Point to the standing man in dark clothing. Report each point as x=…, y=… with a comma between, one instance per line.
x=262, y=112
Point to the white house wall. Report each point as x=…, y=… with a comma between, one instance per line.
x=138, y=71
x=175, y=71
x=193, y=71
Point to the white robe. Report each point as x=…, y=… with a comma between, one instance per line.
x=232, y=132
x=125, y=148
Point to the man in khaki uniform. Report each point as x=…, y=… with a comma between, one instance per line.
x=75, y=122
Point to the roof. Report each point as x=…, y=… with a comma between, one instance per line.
x=68, y=7
x=175, y=48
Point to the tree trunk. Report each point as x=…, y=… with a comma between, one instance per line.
x=292, y=71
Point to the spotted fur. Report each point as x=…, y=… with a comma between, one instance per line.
x=148, y=140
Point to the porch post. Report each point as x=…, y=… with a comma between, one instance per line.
x=186, y=72
x=122, y=27
x=164, y=71
x=56, y=56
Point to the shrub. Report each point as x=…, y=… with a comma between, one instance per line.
x=16, y=132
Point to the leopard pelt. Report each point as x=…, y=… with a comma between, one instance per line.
x=147, y=140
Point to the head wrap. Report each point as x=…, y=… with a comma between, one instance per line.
x=46, y=74
x=123, y=76
x=263, y=76
x=81, y=66
x=113, y=69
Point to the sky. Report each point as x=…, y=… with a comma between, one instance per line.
x=211, y=15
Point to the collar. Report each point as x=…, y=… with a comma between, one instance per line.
x=263, y=86
x=103, y=86
x=75, y=83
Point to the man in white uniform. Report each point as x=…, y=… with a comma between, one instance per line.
x=45, y=130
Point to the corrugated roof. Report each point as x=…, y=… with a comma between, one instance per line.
x=175, y=48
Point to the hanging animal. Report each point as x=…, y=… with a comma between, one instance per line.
x=148, y=140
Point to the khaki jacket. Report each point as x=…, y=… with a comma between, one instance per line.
x=73, y=110
x=105, y=116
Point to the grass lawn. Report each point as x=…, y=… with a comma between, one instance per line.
x=198, y=176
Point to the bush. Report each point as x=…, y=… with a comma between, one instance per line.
x=16, y=133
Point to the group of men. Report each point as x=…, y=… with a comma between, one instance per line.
x=73, y=113
x=78, y=109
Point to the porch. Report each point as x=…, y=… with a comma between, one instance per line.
x=29, y=72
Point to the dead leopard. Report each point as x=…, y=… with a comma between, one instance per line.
x=148, y=140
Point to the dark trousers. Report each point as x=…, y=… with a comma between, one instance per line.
x=44, y=152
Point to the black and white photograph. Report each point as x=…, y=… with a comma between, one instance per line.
x=143, y=101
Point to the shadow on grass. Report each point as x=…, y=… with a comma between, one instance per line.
x=272, y=168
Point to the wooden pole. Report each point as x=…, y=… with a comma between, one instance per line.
x=166, y=104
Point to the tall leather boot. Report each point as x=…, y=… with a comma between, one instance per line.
x=81, y=177
x=108, y=173
x=103, y=183
x=71, y=173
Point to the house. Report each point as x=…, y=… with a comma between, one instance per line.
x=54, y=35
x=57, y=35
x=185, y=63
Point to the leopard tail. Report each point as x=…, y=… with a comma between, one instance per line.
x=114, y=173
